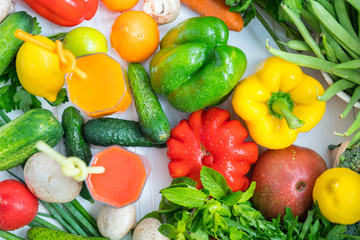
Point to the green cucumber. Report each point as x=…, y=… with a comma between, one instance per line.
x=75, y=143
x=153, y=121
x=9, y=44
x=41, y=233
x=113, y=131
x=18, y=137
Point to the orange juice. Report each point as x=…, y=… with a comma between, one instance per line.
x=104, y=91
x=124, y=177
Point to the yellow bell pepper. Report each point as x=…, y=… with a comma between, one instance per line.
x=278, y=102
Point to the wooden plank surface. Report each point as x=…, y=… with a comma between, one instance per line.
x=252, y=41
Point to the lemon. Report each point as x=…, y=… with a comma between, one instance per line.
x=337, y=193
x=85, y=40
x=38, y=70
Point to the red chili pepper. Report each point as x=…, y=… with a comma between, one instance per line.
x=66, y=13
x=209, y=138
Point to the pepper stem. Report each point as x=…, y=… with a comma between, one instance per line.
x=281, y=106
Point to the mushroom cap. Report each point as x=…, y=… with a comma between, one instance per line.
x=147, y=229
x=162, y=11
x=115, y=223
x=44, y=178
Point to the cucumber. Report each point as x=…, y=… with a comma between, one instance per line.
x=18, y=137
x=113, y=131
x=75, y=143
x=9, y=44
x=41, y=233
x=152, y=119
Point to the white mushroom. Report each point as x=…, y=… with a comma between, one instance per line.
x=44, y=178
x=335, y=154
x=162, y=11
x=115, y=223
x=6, y=7
x=147, y=229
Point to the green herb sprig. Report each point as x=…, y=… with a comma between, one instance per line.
x=217, y=212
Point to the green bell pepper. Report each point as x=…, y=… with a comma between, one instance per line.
x=195, y=67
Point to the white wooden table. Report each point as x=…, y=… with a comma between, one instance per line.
x=252, y=41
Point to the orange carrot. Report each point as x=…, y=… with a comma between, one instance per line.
x=216, y=8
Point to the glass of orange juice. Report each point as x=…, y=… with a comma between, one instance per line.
x=104, y=90
x=123, y=179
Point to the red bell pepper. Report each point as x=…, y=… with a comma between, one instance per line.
x=66, y=13
x=209, y=138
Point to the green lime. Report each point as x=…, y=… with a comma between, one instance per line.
x=85, y=40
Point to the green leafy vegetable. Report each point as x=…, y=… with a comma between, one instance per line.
x=7, y=97
x=184, y=196
x=215, y=183
x=37, y=28
x=61, y=98
x=215, y=211
x=25, y=100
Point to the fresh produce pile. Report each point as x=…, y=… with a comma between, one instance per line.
x=65, y=148
x=330, y=30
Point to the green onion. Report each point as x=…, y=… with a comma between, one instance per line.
x=83, y=212
x=58, y=217
x=4, y=116
x=69, y=219
x=83, y=221
x=46, y=224
x=9, y=236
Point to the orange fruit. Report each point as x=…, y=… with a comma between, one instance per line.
x=120, y=5
x=134, y=36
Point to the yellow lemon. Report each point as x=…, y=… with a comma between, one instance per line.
x=38, y=70
x=337, y=192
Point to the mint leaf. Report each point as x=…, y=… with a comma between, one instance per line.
x=248, y=193
x=168, y=230
x=214, y=182
x=187, y=197
x=185, y=180
x=7, y=97
x=235, y=233
x=200, y=234
x=233, y=198
x=26, y=101
x=37, y=28
x=154, y=214
x=167, y=206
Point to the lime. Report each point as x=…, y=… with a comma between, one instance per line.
x=85, y=40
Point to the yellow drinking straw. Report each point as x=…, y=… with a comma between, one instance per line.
x=70, y=166
x=67, y=60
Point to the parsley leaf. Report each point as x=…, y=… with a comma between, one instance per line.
x=26, y=101
x=7, y=98
x=61, y=98
x=37, y=28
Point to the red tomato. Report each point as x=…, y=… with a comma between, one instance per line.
x=18, y=206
